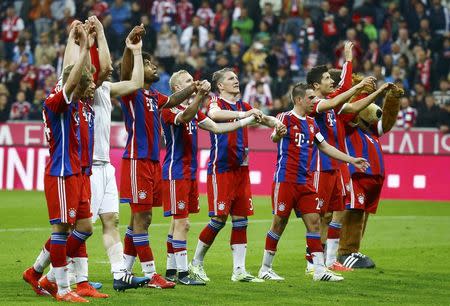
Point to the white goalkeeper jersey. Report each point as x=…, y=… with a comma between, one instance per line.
x=102, y=124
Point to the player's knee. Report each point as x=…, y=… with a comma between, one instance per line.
x=222, y=219
x=110, y=221
x=187, y=226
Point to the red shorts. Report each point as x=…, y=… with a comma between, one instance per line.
x=180, y=198
x=140, y=182
x=292, y=196
x=346, y=179
x=365, y=192
x=331, y=190
x=229, y=193
x=66, y=198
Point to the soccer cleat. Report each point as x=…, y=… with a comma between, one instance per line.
x=327, y=276
x=171, y=275
x=189, y=281
x=85, y=289
x=129, y=281
x=337, y=266
x=48, y=286
x=269, y=275
x=32, y=277
x=198, y=272
x=71, y=297
x=356, y=261
x=309, y=271
x=159, y=282
x=96, y=285
x=245, y=277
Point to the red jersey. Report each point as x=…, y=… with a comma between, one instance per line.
x=180, y=161
x=297, y=155
x=86, y=135
x=142, y=121
x=229, y=151
x=62, y=128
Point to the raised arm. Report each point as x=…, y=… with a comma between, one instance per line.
x=357, y=106
x=72, y=50
x=180, y=96
x=126, y=66
x=346, y=73
x=124, y=88
x=332, y=152
x=103, y=51
x=75, y=74
x=328, y=104
x=189, y=113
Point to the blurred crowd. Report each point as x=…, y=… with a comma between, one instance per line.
x=270, y=43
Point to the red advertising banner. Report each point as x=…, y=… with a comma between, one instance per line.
x=407, y=176
x=415, y=141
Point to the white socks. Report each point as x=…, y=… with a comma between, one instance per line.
x=181, y=261
x=115, y=255
x=267, y=260
x=171, y=263
x=332, y=248
x=129, y=261
x=81, y=269
x=200, y=253
x=62, y=280
x=148, y=268
x=239, y=252
x=318, y=261
x=42, y=261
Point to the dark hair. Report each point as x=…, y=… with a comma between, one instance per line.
x=299, y=90
x=218, y=76
x=146, y=56
x=335, y=75
x=315, y=74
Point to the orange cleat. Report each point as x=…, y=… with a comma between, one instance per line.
x=85, y=289
x=160, y=282
x=71, y=297
x=337, y=266
x=32, y=277
x=49, y=286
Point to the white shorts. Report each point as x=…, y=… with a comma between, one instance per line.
x=105, y=197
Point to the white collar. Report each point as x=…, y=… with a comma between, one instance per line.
x=228, y=101
x=297, y=115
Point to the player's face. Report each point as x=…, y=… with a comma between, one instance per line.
x=150, y=72
x=90, y=89
x=326, y=84
x=184, y=80
x=308, y=101
x=230, y=83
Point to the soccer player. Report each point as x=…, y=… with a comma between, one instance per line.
x=63, y=183
x=228, y=176
x=140, y=184
x=293, y=187
x=180, y=193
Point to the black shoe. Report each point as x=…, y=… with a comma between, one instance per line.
x=129, y=281
x=356, y=261
x=171, y=275
x=188, y=281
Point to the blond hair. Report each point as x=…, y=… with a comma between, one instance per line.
x=173, y=81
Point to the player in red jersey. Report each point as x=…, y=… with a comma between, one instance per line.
x=228, y=176
x=293, y=187
x=180, y=194
x=63, y=182
x=140, y=184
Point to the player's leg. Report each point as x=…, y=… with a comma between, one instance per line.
x=129, y=251
x=34, y=273
x=171, y=264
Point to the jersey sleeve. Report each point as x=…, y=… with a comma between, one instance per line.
x=346, y=80
x=317, y=135
x=162, y=100
x=58, y=101
x=247, y=106
x=315, y=112
x=200, y=117
x=212, y=105
x=169, y=115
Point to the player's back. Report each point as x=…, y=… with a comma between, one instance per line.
x=229, y=151
x=62, y=127
x=142, y=121
x=296, y=157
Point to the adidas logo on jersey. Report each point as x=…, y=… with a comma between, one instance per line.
x=295, y=127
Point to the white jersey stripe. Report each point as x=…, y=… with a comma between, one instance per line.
x=275, y=198
x=134, y=130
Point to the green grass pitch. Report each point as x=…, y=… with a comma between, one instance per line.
x=409, y=241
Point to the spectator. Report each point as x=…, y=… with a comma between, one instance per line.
x=397, y=75
x=44, y=71
x=120, y=16
x=236, y=38
x=263, y=36
x=418, y=98
x=245, y=26
x=44, y=48
x=406, y=117
x=4, y=107
x=163, y=11
x=185, y=11
x=205, y=14
x=250, y=88
x=385, y=42
x=222, y=26
x=256, y=56
x=135, y=13
x=423, y=67
x=343, y=21
x=58, y=9
x=442, y=96
x=280, y=83
x=439, y=18
x=373, y=55
x=428, y=113
x=149, y=43
x=181, y=64
x=269, y=17
x=36, y=106
x=12, y=25
x=163, y=84
x=167, y=48
x=307, y=34
x=41, y=14
x=20, y=109
x=444, y=119
x=260, y=99
x=314, y=57
x=235, y=57
x=293, y=52
x=196, y=34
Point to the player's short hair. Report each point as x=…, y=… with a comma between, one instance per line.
x=335, y=75
x=146, y=56
x=218, y=76
x=315, y=74
x=84, y=74
x=299, y=90
x=174, y=79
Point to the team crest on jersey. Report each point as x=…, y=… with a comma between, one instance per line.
x=347, y=187
x=88, y=116
x=311, y=128
x=221, y=205
x=142, y=194
x=181, y=205
x=281, y=206
x=361, y=198
x=72, y=213
x=76, y=117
